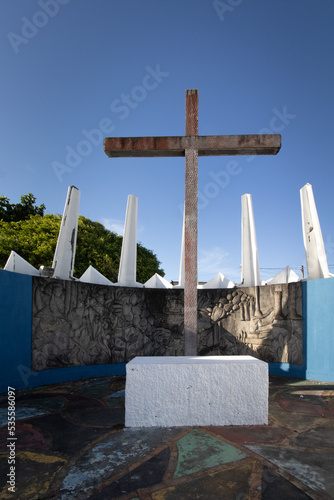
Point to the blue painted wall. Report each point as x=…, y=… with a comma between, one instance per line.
x=288, y=370
x=318, y=325
x=15, y=341
x=318, y=334
x=15, y=327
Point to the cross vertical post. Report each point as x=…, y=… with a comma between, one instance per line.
x=191, y=146
x=190, y=237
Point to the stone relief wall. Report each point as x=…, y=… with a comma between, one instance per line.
x=83, y=324
x=264, y=322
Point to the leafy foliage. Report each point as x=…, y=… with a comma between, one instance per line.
x=19, y=211
x=101, y=248
x=35, y=240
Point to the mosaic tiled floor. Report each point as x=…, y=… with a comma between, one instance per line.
x=72, y=444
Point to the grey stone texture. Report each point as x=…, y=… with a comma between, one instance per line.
x=83, y=324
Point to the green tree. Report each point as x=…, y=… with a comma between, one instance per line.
x=35, y=240
x=19, y=211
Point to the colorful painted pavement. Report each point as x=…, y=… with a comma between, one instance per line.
x=72, y=444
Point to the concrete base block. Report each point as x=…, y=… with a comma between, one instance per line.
x=196, y=391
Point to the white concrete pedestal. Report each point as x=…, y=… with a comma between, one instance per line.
x=191, y=391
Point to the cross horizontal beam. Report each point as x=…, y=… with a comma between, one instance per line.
x=207, y=145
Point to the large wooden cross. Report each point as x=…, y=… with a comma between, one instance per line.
x=191, y=146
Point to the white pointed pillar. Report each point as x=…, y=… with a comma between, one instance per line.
x=316, y=260
x=128, y=262
x=63, y=260
x=250, y=268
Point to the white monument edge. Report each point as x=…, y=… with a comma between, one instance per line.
x=196, y=391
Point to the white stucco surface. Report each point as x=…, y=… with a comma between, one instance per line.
x=128, y=262
x=190, y=391
x=219, y=281
x=315, y=253
x=64, y=256
x=17, y=264
x=157, y=281
x=92, y=275
x=250, y=267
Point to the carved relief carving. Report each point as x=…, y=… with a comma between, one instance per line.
x=265, y=322
x=82, y=324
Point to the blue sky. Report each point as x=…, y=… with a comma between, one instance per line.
x=75, y=71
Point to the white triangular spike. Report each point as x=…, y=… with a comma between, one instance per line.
x=250, y=268
x=287, y=275
x=316, y=260
x=92, y=275
x=128, y=262
x=63, y=260
x=219, y=281
x=157, y=281
x=17, y=264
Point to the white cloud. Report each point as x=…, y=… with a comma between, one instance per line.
x=211, y=261
x=114, y=225
x=214, y=261
x=117, y=226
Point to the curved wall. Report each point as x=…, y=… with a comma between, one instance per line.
x=54, y=330
x=76, y=324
